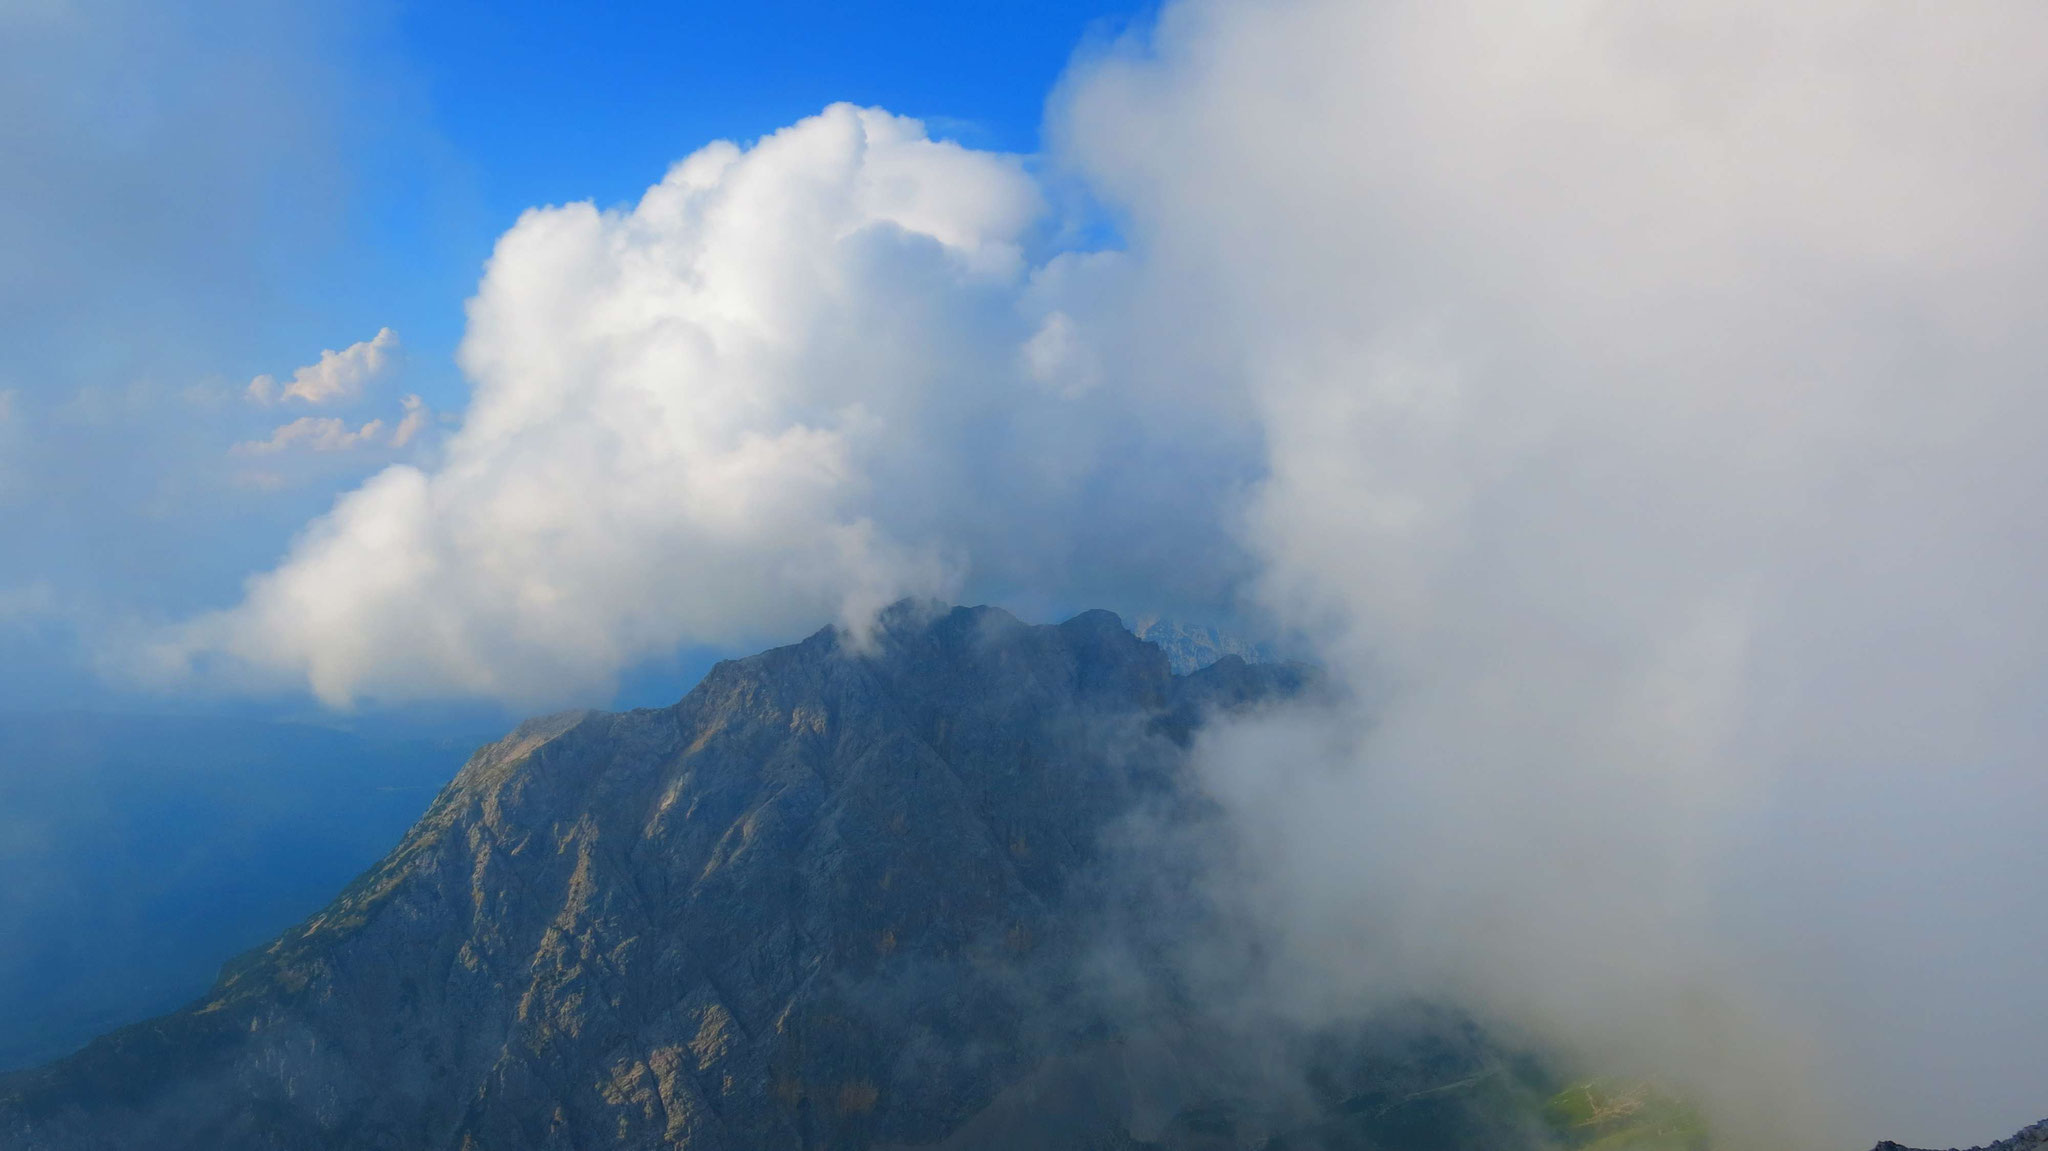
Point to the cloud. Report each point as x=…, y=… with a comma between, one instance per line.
x=27, y=604
x=1651, y=405
x=174, y=199
x=336, y=377
x=787, y=384
x=313, y=433
x=416, y=416
x=333, y=434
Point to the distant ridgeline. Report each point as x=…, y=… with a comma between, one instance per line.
x=1190, y=647
x=2033, y=1138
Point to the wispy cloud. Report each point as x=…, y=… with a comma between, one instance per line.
x=313, y=434
x=161, y=198
x=335, y=377
x=416, y=416
x=27, y=603
x=333, y=434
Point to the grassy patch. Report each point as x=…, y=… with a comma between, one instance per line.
x=1625, y=1115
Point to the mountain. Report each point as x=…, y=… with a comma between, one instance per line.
x=903, y=892
x=1190, y=647
x=2034, y=1138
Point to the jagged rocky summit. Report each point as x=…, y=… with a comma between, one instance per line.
x=2034, y=1138
x=839, y=896
x=1190, y=647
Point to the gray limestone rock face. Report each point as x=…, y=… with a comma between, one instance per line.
x=836, y=897
x=1191, y=647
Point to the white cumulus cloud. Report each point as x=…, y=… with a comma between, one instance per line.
x=334, y=378
x=787, y=384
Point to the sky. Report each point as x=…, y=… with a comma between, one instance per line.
x=1634, y=408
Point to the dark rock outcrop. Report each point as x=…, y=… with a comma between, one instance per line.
x=836, y=897
x=2034, y=1138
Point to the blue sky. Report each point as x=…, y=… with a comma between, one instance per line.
x=200, y=195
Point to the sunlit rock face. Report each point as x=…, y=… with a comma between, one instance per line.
x=1191, y=647
x=848, y=893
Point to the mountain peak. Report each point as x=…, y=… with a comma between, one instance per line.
x=834, y=895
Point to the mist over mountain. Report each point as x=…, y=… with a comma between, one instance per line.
x=923, y=892
x=2032, y=1137
x=1190, y=647
x=959, y=883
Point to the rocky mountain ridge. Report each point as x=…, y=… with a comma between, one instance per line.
x=837, y=896
x=1190, y=647
x=898, y=895
x=2030, y=1138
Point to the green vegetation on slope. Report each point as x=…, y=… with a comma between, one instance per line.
x=1624, y=1115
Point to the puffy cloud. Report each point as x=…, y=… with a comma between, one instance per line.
x=789, y=383
x=1651, y=397
x=336, y=377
